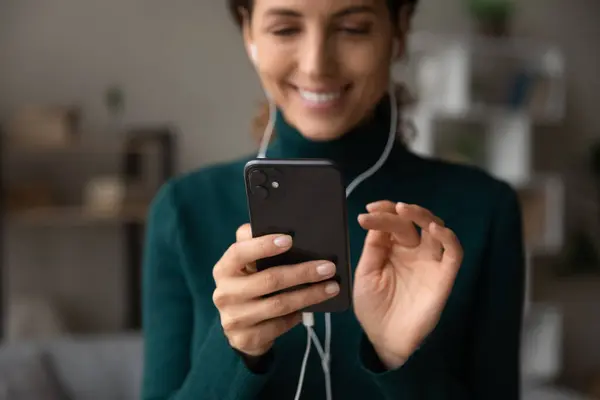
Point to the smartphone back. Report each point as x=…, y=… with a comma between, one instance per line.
x=306, y=199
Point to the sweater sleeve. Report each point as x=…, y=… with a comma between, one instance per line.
x=495, y=356
x=172, y=369
x=493, y=359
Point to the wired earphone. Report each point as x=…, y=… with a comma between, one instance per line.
x=308, y=319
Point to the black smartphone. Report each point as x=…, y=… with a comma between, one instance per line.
x=306, y=199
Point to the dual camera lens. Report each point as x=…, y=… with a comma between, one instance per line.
x=261, y=181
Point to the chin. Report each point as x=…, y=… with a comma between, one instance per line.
x=320, y=131
x=321, y=115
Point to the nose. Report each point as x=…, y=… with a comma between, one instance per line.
x=316, y=58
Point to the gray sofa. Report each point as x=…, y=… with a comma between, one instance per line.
x=90, y=368
x=109, y=368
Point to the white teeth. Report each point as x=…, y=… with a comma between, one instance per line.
x=319, y=97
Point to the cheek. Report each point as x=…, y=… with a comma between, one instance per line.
x=274, y=68
x=367, y=64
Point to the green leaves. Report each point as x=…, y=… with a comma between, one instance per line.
x=491, y=10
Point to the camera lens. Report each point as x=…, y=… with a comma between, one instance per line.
x=260, y=192
x=257, y=178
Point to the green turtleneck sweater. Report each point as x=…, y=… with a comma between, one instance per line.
x=473, y=353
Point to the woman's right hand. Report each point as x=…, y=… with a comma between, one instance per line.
x=251, y=321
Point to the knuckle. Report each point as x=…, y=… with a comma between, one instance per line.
x=309, y=273
x=215, y=272
x=271, y=280
x=387, y=204
x=219, y=298
x=230, y=322
x=264, y=247
x=255, y=339
x=237, y=341
x=232, y=252
x=279, y=306
x=242, y=232
x=245, y=341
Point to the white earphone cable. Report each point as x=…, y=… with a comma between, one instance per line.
x=303, y=368
x=308, y=318
x=266, y=139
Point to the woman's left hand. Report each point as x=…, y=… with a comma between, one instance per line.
x=403, y=279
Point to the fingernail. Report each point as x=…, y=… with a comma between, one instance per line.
x=326, y=269
x=283, y=241
x=332, y=288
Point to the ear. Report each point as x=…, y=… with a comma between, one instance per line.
x=247, y=34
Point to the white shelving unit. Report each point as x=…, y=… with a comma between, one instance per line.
x=496, y=91
x=478, y=101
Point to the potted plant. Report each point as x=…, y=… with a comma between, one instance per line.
x=492, y=16
x=114, y=100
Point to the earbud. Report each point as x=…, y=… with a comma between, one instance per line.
x=254, y=54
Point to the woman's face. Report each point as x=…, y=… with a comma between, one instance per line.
x=324, y=62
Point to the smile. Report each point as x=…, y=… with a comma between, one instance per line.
x=321, y=98
x=315, y=97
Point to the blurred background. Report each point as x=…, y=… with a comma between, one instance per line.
x=101, y=102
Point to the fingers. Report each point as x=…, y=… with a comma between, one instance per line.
x=419, y=215
x=244, y=232
x=375, y=252
x=423, y=218
x=404, y=232
x=256, y=340
x=273, y=280
x=412, y=211
x=382, y=206
x=453, y=251
x=239, y=254
x=285, y=303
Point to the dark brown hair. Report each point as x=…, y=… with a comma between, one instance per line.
x=236, y=5
x=261, y=119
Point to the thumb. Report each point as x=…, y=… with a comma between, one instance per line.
x=375, y=252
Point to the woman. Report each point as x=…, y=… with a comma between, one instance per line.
x=437, y=312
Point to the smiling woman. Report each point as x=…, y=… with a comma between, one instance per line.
x=436, y=310
x=325, y=63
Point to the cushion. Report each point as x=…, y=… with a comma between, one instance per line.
x=29, y=377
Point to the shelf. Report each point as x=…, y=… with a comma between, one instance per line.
x=85, y=149
x=75, y=216
x=544, y=56
x=542, y=203
x=67, y=209
x=459, y=77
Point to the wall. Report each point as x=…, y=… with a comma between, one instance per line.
x=178, y=61
x=183, y=61
x=166, y=57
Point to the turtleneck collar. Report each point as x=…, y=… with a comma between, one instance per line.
x=354, y=152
